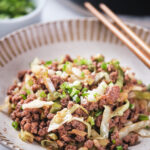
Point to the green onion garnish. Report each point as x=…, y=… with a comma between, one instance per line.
x=48, y=63
x=104, y=66
x=82, y=74
x=23, y=96
x=74, y=92
x=91, y=120
x=131, y=106
x=113, y=141
x=85, y=94
x=139, y=82
x=84, y=89
x=119, y=147
x=43, y=94
x=143, y=117
x=99, y=112
x=15, y=124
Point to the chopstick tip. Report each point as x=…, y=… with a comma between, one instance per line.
x=86, y=4
x=101, y=5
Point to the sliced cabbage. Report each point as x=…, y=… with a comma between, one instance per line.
x=104, y=128
x=26, y=136
x=144, y=132
x=141, y=95
x=120, y=110
x=100, y=90
x=101, y=75
x=76, y=106
x=77, y=72
x=59, y=119
x=133, y=127
x=36, y=104
x=48, y=83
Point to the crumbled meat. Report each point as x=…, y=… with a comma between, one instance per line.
x=57, y=81
x=112, y=94
x=91, y=106
x=98, y=121
x=80, y=113
x=88, y=144
x=64, y=101
x=114, y=76
x=78, y=125
x=21, y=75
x=60, y=143
x=70, y=147
x=80, y=138
x=10, y=90
x=131, y=139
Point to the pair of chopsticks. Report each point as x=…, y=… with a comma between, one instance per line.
x=138, y=47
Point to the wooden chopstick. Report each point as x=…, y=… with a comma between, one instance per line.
x=125, y=28
x=138, y=52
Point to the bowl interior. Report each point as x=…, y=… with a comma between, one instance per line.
x=52, y=40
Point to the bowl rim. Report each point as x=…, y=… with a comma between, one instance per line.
x=27, y=16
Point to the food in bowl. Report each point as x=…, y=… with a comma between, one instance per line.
x=79, y=104
x=15, y=8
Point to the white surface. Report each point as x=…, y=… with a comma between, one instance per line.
x=56, y=10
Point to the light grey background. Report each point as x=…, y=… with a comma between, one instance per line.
x=65, y=9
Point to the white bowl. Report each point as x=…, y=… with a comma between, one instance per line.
x=10, y=25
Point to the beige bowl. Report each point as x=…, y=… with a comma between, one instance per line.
x=52, y=40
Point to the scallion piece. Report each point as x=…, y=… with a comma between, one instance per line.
x=119, y=147
x=131, y=106
x=99, y=112
x=15, y=124
x=104, y=66
x=43, y=94
x=23, y=96
x=113, y=141
x=143, y=117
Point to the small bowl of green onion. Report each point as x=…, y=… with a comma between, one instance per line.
x=15, y=14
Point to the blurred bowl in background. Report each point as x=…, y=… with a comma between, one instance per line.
x=10, y=25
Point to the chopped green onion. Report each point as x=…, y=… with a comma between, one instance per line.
x=63, y=95
x=28, y=92
x=74, y=92
x=99, y=112
x=48, y=63
x=95, y=95
x=23, y=96
x=113, y=141
x=104, y=66
x=76, y=99
x=84, y=89
x=85, y=94
x=91, y=120
x=139, y=82
x=143, y=117
x=55, y=107
x=131, y=106
x=82, y=74
x=30, y=82
x=64, y=68
x=15, y=124
x=43, y=94
x=119, y=147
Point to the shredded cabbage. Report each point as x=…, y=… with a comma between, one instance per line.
x=75, y=107
x=144, y=132
x=47, y=143
x=104, y=128
x=26, y=136
x=120, y=110
x=101, y=75
x=140, y=95
x=36, y=104
x=133, y=127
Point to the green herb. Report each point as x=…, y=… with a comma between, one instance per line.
x=23, y=96
x=74, y=92
x=113, y=141
x=76, y=99
x=43, y=94
x=131, y=106
x=30, y=82
x=28, y=92
x=139, y=82
x=99, y=112
x=82, y=74
x=55, y=107
x=48, y=63
x=15, y=8
x=63, y=95
x=15, y=124
x=100, y=58
x=84, y=90
x=95, y=95
x=119, y=147
x=143, y=117
x=91, y=120
x=85, y=94
x=104, y=66
x=64, y=68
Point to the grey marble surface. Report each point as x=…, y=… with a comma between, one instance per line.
x=64, y=9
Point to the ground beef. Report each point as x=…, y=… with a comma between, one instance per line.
x=88, y=144
x=67, y=58
x=70, y=104
x=53, y=66
x=57, y=81
x=35, y=87
x=34, y=127
x=42, y=132
x=70, y=147
x=80, y=113
x=62, y=131
x=60, y=143
x=21, y=75
x=50, y=116
x=10, y=90
x=91, y=106
x=131, y=139
x=113, y=76
x=80, y=138
x=112, y=94
x=98, y=121
x=64, y=101
x=66, y=138
x=27, y=127
x=78, y=125
x=38, y=138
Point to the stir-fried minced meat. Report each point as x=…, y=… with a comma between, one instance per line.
x=78, y=103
